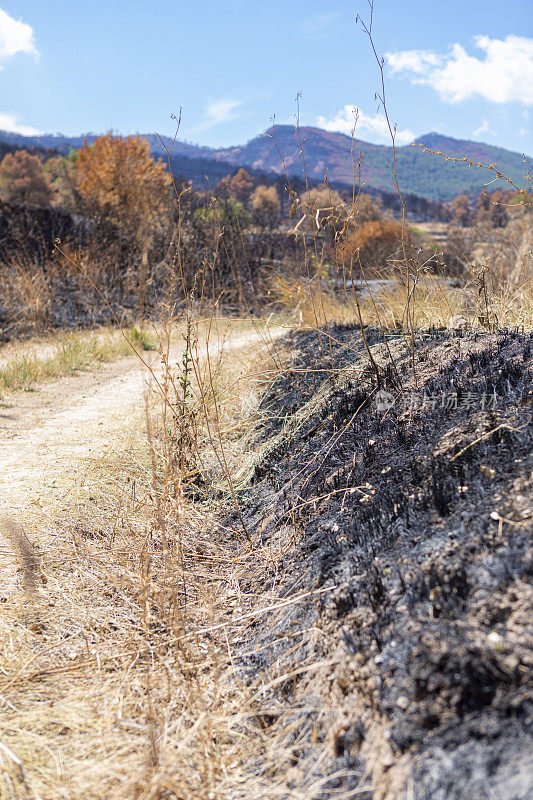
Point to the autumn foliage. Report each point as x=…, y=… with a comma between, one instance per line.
x=376, y=243
x=118, y=177
x=238, y=186
x=492, y=207
x=461, y=212
x=23, y=180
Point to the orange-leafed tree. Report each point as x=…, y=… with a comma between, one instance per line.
x=461, y=212
x=119, y=178
x=23, y=180
x=238, y=186
x=491, y=207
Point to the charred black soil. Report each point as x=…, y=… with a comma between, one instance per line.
x=406, y=508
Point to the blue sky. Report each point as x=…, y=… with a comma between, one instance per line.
x=461, y=68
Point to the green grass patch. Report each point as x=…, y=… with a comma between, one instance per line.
x=142, y=339
x=73, y=353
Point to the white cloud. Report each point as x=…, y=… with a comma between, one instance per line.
x=503, y=74
x=218, y=111
x=15, y=37
x=10, y=122
x=374, y=127
x=483, y=128
x=417, y=61
x=317, y=25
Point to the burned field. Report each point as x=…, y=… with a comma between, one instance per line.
x=401, y=515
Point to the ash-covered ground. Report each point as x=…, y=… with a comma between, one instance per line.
x=407, y=508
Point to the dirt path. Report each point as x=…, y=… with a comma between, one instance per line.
x=47, y=434
x=78, y=684
x=43, y=431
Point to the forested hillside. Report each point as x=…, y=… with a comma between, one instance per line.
x=419, y=173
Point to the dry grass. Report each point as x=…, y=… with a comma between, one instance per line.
x=383, y=299
x=121, y=674
x=105, y=693
x=24, y=366
x=307, y=304
x=26, y=294
x=117, y=672
x=434, y=303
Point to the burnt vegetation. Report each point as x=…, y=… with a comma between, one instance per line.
x=418, y=519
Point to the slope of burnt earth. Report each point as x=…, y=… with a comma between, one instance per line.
x=406, y=509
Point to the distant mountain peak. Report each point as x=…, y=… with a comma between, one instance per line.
x=325, y=152
x=434, y=139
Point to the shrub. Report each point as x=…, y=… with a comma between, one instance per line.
x=367, y=208
x=23, y=180
x=373, y=244
x=266, y=206
x=323, y=209
x=491, y=207
x=62, y=173
x=226, y=214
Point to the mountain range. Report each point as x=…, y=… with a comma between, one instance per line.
x=325, y=152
